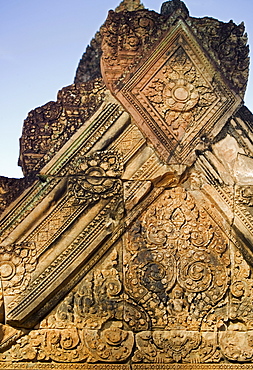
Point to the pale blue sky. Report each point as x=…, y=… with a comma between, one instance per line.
x=42, y=42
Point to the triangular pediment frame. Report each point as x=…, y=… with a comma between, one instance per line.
x=52, y=202
x=91, y=223
x=63, y=225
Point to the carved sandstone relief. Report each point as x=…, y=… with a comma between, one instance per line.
x=47, y=128
x=88, y=179
x=176, y=262
x=95, y=177
x=179, y=294
x=128, y=37
x=87, y=325
x=135, y=261
x=83, y=143
x=17, y=262
x=176, y=95
x=94, y=186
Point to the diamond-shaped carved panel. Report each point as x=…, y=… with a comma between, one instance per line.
x=177, y=97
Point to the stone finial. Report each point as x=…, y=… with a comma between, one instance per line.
x=129, y=5
x=172, y=6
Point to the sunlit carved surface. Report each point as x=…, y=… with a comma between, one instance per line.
x=128, y=243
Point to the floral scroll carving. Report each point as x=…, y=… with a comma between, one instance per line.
x=17, y=262
x=179, y=93
x=174, y=92
x=87, y=325
x=124, y=267
x=227, y=42
x=179, y=293
x=241, y=310
x=177, y=262
x=126, y=37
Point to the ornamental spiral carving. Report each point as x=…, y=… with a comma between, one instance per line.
x=95, y=177
x=17, y=262
x=179, y=93
x=176, y=261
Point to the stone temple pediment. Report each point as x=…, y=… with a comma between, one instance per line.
x=128, y=244
x=177, y=96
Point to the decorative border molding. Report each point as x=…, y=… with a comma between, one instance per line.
x=85, y=366
x=94, y=130
x=131, y=96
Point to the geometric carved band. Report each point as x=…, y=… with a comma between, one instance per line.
x=193, y=367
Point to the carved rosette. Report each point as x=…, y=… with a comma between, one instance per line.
x=109, y=345
x=127, y=37
x=17, y=262
x=95, y=177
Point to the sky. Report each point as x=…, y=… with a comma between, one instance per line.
x=42, y=41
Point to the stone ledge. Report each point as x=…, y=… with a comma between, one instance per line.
x=64, y=366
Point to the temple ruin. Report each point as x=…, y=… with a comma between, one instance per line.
x=128, y=243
